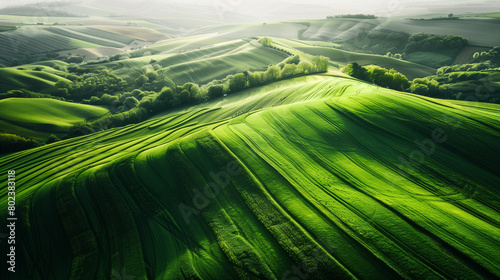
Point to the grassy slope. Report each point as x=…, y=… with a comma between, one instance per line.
x=315, y=181
x=409, y=69
x=47, y=38
x=38, y=118
x=203, y=65
x=29, y=78
x=330, y=30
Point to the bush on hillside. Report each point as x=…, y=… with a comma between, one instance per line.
x=378, y=75
x=10, y=143
x=265, y=41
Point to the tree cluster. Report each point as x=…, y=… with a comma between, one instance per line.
x=477, y=82
x=378, y=42
x=10, y=143
x=403, y=44
x=138, y=105
x=492, y=56
x=378, y=75
x=24, y=93
x=265, y=41
x=449, y=44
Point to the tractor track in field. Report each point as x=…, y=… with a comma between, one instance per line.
x=318, y=158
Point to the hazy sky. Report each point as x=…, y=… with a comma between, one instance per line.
x=283, y=9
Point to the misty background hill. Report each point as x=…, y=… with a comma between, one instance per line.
x=202, y=12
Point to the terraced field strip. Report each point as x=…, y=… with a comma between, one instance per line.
x=38, y=118
x=278, y=159
x=89, y=36
x=219, y=61
x=29, y=39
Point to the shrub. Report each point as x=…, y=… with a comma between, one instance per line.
x=52, y=138
x=131, y=102
x=12, y=143
x=265, y=41
x=237, y=82
x=215, y=91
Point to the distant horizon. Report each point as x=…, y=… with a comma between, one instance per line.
x=277, y=9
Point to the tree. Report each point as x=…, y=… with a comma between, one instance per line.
x=215, y=91
x=288, y=70
x=74, y=59
x=52, y=138
x=193, y=89
x=12, y=143
x=272, y=74
x=152, y=75
x=163, y=101
x=79, y=129
x=399, y=82
x=166, y=93
x=320, y=64
x=305, y=67
x=107, y=99
x=141, y=80
x=355, y=70
x=131, y=102
x=295, y=59
x=265, y=41
x=419, y=89
x=254, y=79
x=378, y=75
x=62, y=84
x=183, y=97
x=237, y=82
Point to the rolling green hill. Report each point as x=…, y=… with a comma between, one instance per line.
x=308, y=177
x=202, y=65
x=348, y=28
x=29, y=40
x=409, y=69
x=28, y=78
x=38, y=118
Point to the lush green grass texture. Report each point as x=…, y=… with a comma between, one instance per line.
x=38, y=118
x=29, y=78
x=309, y=174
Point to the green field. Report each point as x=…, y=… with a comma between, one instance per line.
x=38, y=118
x=28, y=78
x=202, y=65
x=243, y=140
x=345, y=28
x=409, y=69
x=311, y=173
x=41, y=39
